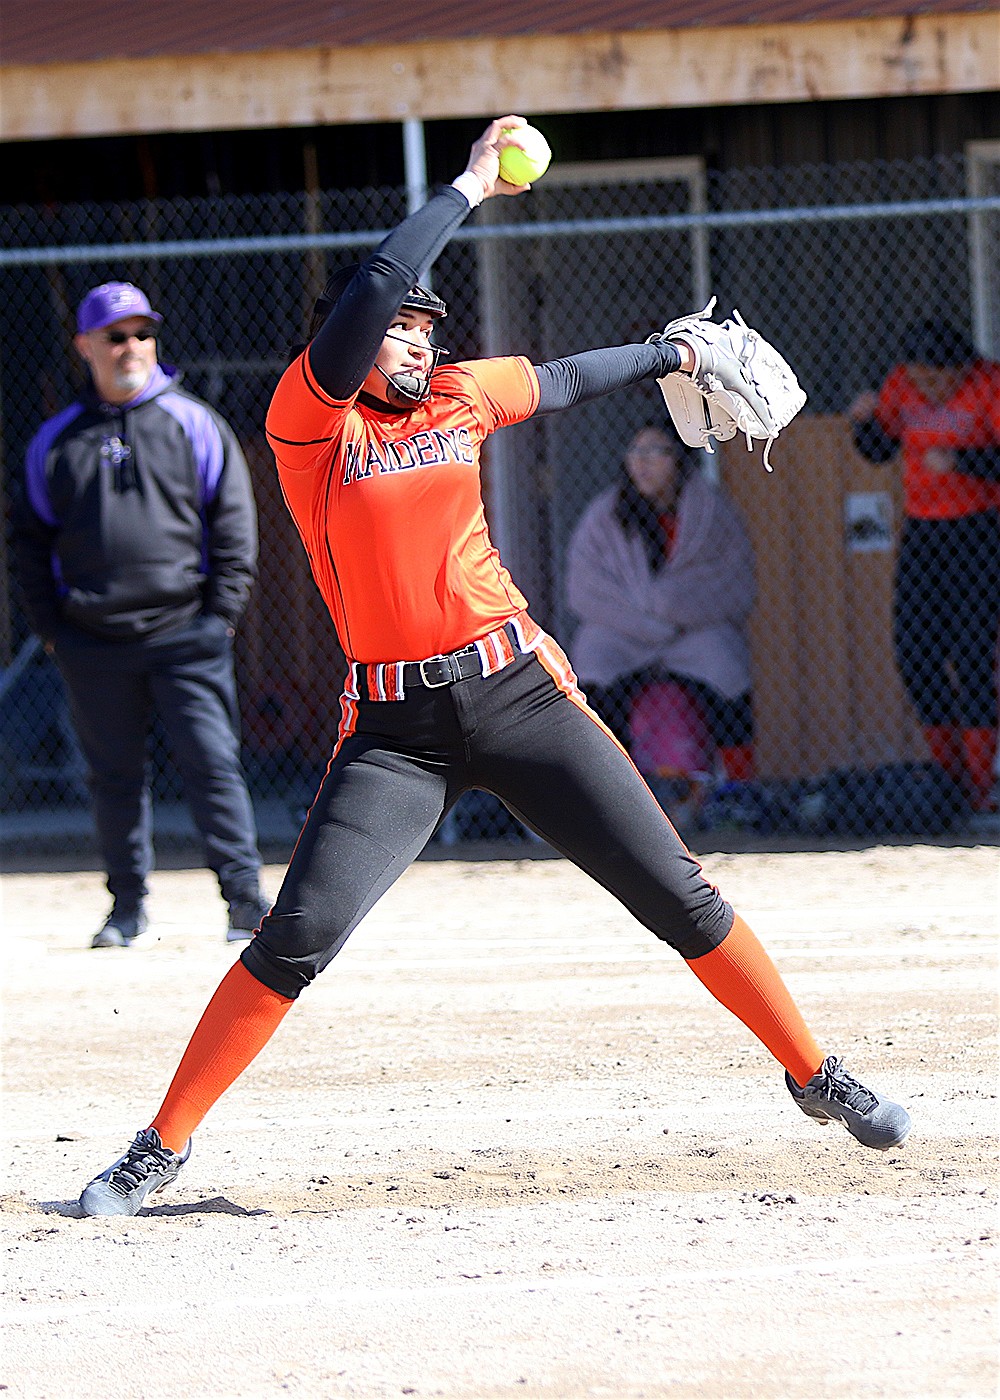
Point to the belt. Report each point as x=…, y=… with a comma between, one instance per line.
x=438, y=671
x=390, y=680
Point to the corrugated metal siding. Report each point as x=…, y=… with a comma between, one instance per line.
x=64, y=31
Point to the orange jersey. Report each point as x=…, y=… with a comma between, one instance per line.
x=970, y=418
x=390, y=508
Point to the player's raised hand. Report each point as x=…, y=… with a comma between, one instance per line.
x=484, y=158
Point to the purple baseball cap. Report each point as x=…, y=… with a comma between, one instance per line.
x=112, y=301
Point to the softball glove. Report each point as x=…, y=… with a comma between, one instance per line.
x=740, y=384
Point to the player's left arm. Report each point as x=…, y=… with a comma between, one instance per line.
x=593, y=373
x=510, y=389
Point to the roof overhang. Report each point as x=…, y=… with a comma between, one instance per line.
x=683, y=67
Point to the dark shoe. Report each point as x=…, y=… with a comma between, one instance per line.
x=147, y=1166
x=245, y=918
x=833, y=1093
x=121, y=928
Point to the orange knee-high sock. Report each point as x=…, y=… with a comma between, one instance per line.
x=237, y=1024
x=740, y=974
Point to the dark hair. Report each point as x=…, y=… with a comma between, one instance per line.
x=637, y=515
x=936, y=343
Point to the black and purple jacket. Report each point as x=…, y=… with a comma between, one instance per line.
x=135, y=518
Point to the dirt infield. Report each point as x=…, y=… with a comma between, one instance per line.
x=508, y=1146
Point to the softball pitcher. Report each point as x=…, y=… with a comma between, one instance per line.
x=451, y=685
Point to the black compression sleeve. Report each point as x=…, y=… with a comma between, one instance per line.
x=580, y=378
x=345, y=347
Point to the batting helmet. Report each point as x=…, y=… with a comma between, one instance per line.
x=418, y=298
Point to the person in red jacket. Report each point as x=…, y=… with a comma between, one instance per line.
x=938, y=412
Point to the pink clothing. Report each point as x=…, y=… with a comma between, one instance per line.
x=689, y=617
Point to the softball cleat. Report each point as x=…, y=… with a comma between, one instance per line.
x=834, y=1094
x=146, y=1167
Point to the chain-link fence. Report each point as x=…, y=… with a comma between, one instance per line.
x=811, y=651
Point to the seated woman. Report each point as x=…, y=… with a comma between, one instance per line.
x=660, y=573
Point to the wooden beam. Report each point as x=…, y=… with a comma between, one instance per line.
x=579, y=73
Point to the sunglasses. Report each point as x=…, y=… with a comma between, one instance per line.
x=120, y=337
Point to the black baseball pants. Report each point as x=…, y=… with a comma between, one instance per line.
x=518, y=734
x=187, y=677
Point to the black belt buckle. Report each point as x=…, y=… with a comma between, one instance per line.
x=448, y=671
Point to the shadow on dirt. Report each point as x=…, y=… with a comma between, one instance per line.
x=215, y=1205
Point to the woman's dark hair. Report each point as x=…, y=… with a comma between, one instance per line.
x=638, y=516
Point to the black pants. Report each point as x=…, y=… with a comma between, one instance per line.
x=187, y=676
x=519, y=735
x=947, y=611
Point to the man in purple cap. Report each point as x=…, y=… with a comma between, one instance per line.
x=136, y=543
